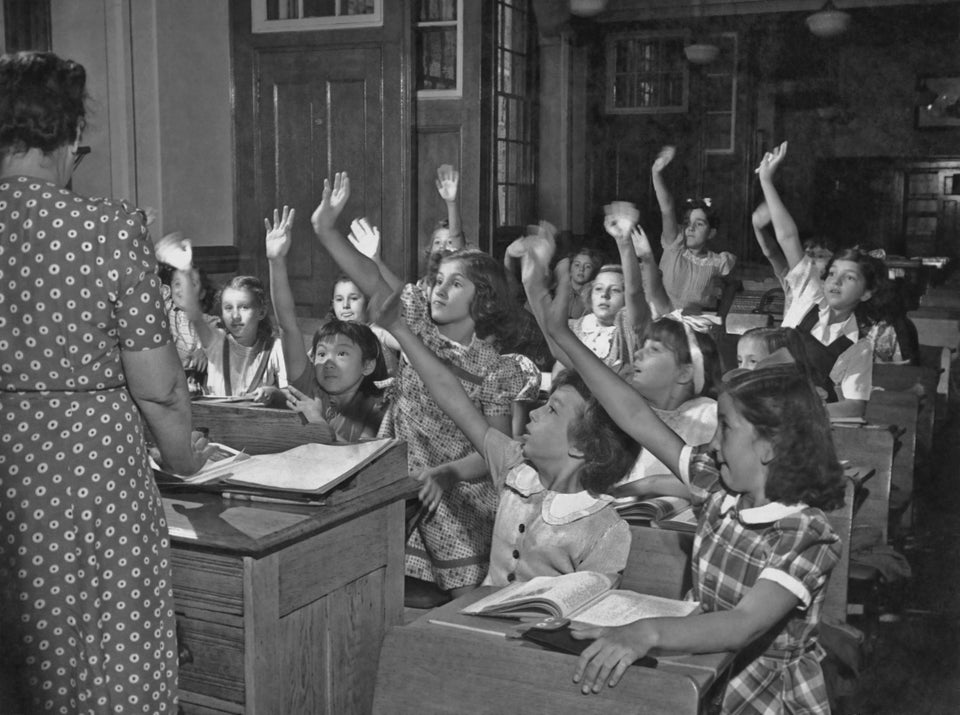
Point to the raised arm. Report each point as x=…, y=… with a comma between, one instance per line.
x=448, y=185
x=620, y=221
x=443, y=385
x=770, y=248
x=366, y=239
x=277, y=241
x=361, y=269
x=671, y=229
x=656, y=294
x=784, y=227
x=191, y=305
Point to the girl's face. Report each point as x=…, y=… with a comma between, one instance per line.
x=655, y=369
x=545, y=436
x=750, y=351
x=452, y=294
x=339, y=364
x=697, y=230
x=581, y=268
x=443, y=241
x=241, y=313
x=606, y=296
x=845, y=285
x=742, y=454
x=349, y=304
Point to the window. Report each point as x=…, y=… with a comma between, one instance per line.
x=647, y=73
x=515, y=105
x=295, y=15
x=439, y=48
x=719, y=92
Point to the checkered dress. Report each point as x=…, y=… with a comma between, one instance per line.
x=781, y=671
x=452, y=546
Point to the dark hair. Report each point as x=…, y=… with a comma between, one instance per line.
x=254, y=286
x=208, y=291
x=691, y=205
x=789, y=338
x=874, y=273
x=365, y=339
x=783, y=408
x=608, y=452
x=673, y=336
x=42, y=102
x=493, y=308
x=596, y=258
x=331, y=314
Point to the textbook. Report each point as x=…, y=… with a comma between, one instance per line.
x=218, y=464
x=584, y=597
x=666, y=512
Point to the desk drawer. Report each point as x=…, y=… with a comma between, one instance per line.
x=215, y=661
x=207, y=581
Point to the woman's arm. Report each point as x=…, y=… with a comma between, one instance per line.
x=158, y=385
x=278, y=241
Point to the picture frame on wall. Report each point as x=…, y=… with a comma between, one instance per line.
x=938, y=102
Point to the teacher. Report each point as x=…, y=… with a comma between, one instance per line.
x=86, y=600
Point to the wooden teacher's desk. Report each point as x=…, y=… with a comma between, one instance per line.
x=282, y=609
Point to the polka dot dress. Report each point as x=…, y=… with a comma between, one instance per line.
x=85, y=577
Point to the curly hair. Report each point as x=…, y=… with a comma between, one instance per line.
x=364, y=338
x=608, y=451
x=673, y=336
x=874, y=272
x=493, y=307
x=42, y=102
x=255, y=287
x=783, y=408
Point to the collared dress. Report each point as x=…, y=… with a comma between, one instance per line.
x=735, y=546
x=615, y=344
x=247, y=371
x=689, y=278
x=539, y=532
x=452, y=546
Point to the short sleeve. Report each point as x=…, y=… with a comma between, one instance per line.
x=805, y=289
x=416, y=309
x=805, y=551
x=853, y=371
x=501, y=386
x=501, y=454
x=141, y=316
x=609, y=553
x=531, y=375
x=699, y=471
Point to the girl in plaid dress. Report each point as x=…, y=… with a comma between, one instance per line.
x=467, y=311
x=764, y=548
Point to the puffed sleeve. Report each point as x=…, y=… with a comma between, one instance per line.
x=501, y=386
x=609, y=553
x=416, y=309
x=804, y=552
x=853, y=371
x=501, y=454
x=727, y=262
x=141, y=317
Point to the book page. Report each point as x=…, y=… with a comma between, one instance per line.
x=217, y=464
x=617, y=608
x=309, y=467
x=563, y=593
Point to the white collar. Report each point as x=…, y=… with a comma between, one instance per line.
x=591, y=325
x=766, y=514
x=848, y=328
x=557, y=508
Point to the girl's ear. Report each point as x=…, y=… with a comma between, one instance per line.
x=684, y=374
x=765, y=450
x=369, y=366
x=867, y=295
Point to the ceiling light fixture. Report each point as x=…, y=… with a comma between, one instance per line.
x=828, y=21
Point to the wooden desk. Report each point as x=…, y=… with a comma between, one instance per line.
x=428, y=668
x=253, y=428
x=283, y=608
x=869, y=447
x=899, y=408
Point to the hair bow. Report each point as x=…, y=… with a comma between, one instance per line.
x=699, y=323
x=706, y=201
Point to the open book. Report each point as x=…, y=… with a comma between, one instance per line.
x=221, y=462
x=665, y=512
x=584, y=596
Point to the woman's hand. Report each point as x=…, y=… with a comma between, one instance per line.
x=663, y=158
x=333, y=200
x=433, y=483
x=365, y=238
x=448, y=182
x=311, y=408
x=200, y=449
x=278, y=234
x=613, y=650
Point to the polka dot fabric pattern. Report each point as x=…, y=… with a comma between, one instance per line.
x=85, y=574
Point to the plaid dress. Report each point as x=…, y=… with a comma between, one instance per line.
x=791, y=545
x=452, y=546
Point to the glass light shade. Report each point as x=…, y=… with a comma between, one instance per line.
x=701, y=54
x=587, y=8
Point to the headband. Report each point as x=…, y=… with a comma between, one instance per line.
x=701, y=324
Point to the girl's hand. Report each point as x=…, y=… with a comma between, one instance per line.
x=771, y=160
x=535, y=250
x=267, y=394
x=365, y=238
x=332, y=202
x=309, y=407
x=433, y=483
x=619, y=218
x=663, y=158
x=196, y=361
x=278, y=235
x=604, y=661
x=641, y=244
x=389, y=314
x=175, y=250
x=448, y=181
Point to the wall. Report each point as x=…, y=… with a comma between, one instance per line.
x=160, y=98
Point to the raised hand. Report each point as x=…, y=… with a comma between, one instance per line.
x=278, y=233
x=448, y=181
x=770, y=161
x=333, y=200
x=175, y=250
x=619, y=218
x=663, y=158
x=365, y=238
x=641, y=244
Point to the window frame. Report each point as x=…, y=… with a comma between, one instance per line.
x=260, y=23
x=734, y=69
x=682, y=35
x=457, y=92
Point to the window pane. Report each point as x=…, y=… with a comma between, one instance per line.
x=437, y=10
x=437, y=50
x=319, y=8
x=282, y=10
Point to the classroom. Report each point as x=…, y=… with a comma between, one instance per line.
x=468, y=356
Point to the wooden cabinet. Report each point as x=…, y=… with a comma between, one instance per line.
x=282, y=609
